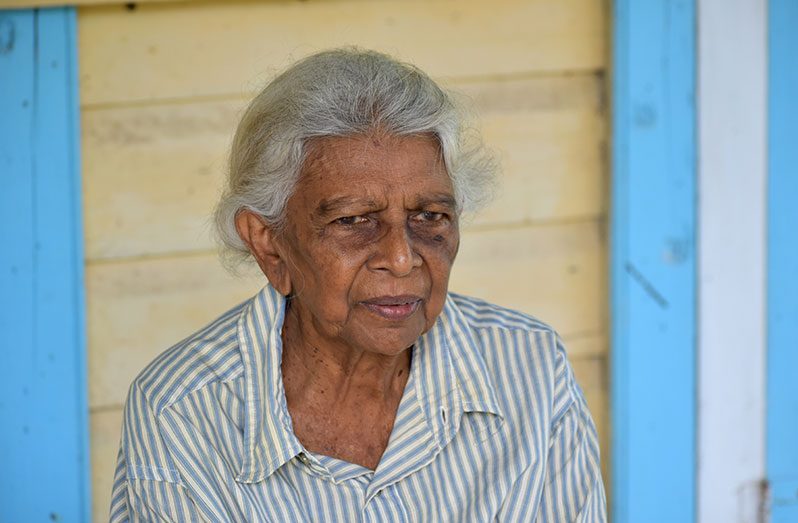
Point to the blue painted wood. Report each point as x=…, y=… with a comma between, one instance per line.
x=43, y=404
x=653, y=265
x=782, y=387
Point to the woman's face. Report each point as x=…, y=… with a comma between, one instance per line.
x=371, y=236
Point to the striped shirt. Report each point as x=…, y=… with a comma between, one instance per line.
x=491, y=426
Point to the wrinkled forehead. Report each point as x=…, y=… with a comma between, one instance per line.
x=376, y=168
x=377, y=146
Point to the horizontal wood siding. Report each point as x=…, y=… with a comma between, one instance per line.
x=179, y=51
x=170, y=160
x=163, y=85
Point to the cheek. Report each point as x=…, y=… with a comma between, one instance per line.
x=439, y=255
x=321, y=274
x=439, y=249
x=333, y=269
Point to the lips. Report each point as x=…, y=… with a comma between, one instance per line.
x=394, y=308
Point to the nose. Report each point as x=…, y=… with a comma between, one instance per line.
x=395, y=253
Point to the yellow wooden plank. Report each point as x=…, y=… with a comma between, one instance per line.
x=555, y=273
x=106, y=427
x=580, y=346
x=167, y=51
x=551, y=166
x=152, y=174
x=589, y=372
x=550, y=136
x=136, y=309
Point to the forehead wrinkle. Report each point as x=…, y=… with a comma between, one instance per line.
x=327, y=157
x=329, y=205
x=443, y=198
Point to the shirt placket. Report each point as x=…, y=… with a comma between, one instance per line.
x=385, y=505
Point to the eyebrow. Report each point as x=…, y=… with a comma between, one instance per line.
x=330, y=205
x=444, y=199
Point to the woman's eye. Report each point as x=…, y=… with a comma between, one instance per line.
x=351, y=220
x=430, y=216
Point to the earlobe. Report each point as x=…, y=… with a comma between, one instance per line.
x=261, y=240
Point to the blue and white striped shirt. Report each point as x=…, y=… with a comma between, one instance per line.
x=491, y=426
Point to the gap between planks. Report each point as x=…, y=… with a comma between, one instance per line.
x=598, y=219
x=452, y=82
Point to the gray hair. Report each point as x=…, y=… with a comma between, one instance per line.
x=338, y=93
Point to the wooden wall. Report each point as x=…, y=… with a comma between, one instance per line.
x=163, y=84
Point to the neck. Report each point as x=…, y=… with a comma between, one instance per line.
x=318, y=370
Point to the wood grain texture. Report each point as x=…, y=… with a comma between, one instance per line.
x=588, y=345
x=181, y=50
x=555, y=273
x=152, y=176
x=137, y=309
x=153, y=173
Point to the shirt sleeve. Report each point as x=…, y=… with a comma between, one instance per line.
x=146, y=485
x=134, y=500
x=573, y=488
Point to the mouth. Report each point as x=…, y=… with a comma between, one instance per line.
x=394, y=308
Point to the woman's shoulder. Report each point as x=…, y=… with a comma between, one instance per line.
x=208, y=355
x=483, y=314
x=525, y=358
x=506, y=337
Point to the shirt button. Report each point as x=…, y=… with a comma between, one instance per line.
x=303, y=458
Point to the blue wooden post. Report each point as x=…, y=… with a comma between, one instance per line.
x=782, y=388
x=653, y=265
x=43, y=406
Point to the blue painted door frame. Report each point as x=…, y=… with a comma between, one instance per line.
x=782, y=384
x=653, y=262
x=43, y=408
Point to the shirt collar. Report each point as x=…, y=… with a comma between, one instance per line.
x=450, y=374
x=452, y=377
x=269, y=441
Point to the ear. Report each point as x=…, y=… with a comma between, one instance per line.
x=262, y=242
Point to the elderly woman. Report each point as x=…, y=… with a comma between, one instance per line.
x=354, y=387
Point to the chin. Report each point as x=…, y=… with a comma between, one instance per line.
x=390, y=344
x=394, y=349
x=390, y=338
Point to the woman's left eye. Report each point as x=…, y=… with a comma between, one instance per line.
x=429, y=216
x=351, y=220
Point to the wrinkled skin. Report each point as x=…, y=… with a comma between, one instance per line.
x=370, y=237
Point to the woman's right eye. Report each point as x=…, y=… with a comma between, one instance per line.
x=351, y=220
